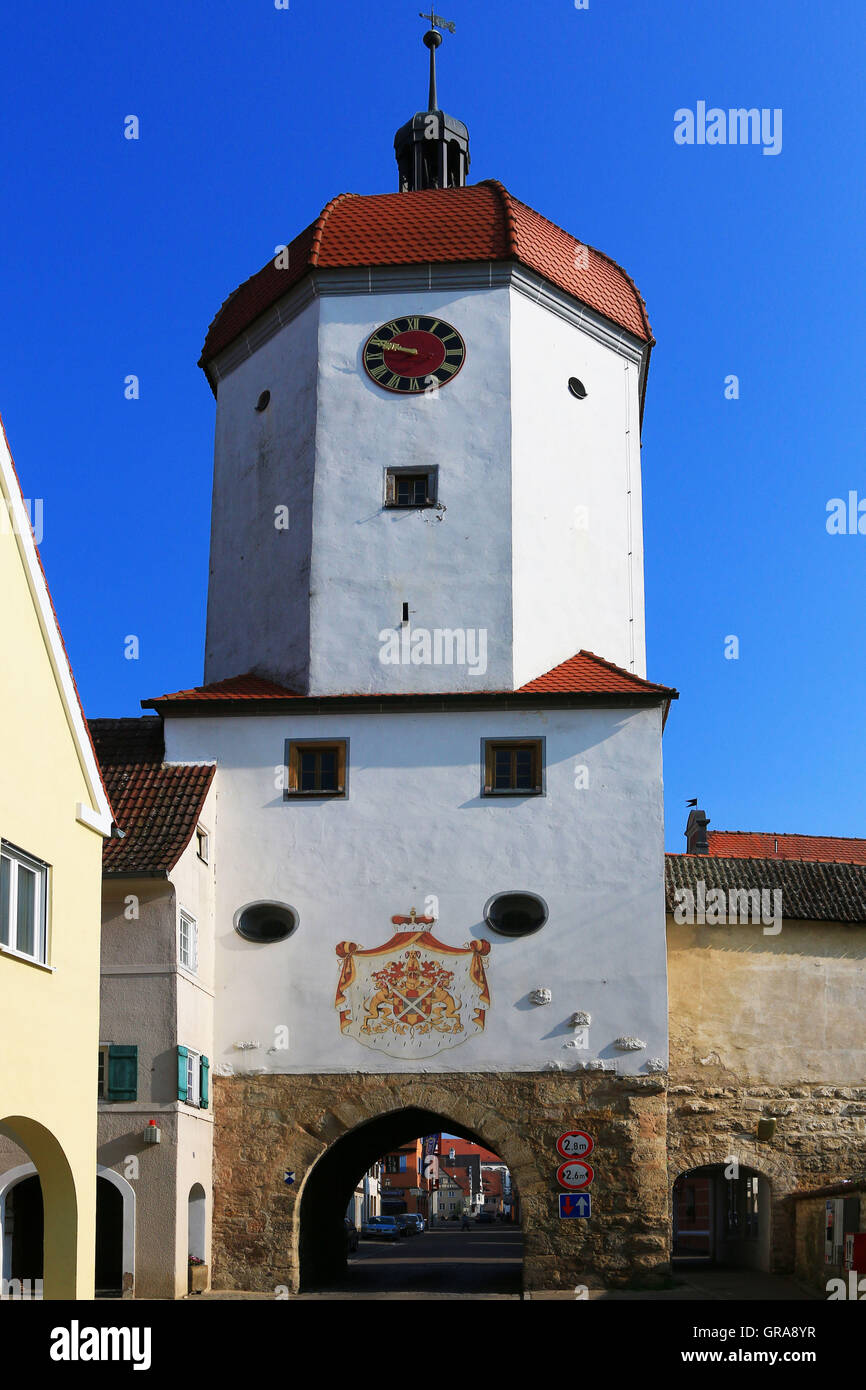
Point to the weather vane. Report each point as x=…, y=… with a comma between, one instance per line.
x=438, y=22
x=433, y=39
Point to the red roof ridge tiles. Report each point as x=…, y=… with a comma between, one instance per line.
x=480, y=223
x=785, y=845
x=584, y=673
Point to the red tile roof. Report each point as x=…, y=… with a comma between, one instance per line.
x=463, y=1147
x=592, y=673
x=156, y=805
x=584, y=673
x=761, y=844
x=479, y=223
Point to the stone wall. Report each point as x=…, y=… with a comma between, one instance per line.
x=820, y=1138
x=266, y=1125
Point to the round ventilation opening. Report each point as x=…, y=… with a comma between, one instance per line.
x=266, y=922
x=515, y=914
x=576, y=387
x=263, y=401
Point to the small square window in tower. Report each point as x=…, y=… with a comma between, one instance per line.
x=316, y=768
x=513, y=767
x=408, y=487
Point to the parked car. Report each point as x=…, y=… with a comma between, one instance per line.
x=485, y=1218
x=410, y=1223
x=380, y=1228
x=351, y=1236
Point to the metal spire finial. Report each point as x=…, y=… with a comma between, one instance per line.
x=433, y=39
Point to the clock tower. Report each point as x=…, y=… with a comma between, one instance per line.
x=428, y=422
x=439, y=897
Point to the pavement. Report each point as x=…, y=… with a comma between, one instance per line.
x=485, y=1262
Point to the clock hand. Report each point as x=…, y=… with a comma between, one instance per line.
x=393, y=347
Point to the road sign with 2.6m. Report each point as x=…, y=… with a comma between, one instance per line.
x=574, y=1174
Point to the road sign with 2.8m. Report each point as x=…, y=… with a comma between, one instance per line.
x=575, y=1143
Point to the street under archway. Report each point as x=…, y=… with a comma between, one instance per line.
x=484, y=1259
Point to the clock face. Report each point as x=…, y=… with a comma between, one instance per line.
x=414, y=354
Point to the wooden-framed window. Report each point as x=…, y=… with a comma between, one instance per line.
x=193, y=1077
x=411, y=487
x=118, y=1072
x=513, y=767
x=187, y=941
x=23, y=904
x=316, y=767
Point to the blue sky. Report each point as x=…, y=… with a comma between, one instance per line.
x=116, y=255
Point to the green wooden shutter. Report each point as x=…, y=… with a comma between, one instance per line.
x=205, y=1073
x=182, y=1054
x=122, y=1080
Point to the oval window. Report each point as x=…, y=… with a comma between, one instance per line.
x=266, y=922
x=515, y=914
x=263, y=401
x=577, y=388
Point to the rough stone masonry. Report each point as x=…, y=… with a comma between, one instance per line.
x=266, y=1125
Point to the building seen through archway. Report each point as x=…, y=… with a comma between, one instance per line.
x=383, y=1175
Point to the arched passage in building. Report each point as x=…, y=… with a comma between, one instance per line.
x=49, y=1199
x=722, y=1214
x=196, y=1221
x=332, y=1180
x=109, y=1240
x=23, y=1225
x=115, y=1234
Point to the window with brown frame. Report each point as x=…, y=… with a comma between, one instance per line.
x=316, y=767
x=513, y=767
x=408, y=487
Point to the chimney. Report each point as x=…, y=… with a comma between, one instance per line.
x=697, y=841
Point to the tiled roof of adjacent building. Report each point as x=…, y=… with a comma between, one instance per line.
x=812, y=890
x=156, y=805
x=760, y=844
x=480, y=223
x=583, y=674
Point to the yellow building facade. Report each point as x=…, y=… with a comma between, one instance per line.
x=54, y=815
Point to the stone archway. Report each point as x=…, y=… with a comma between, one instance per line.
x=776, y=1169
x=272, y=1130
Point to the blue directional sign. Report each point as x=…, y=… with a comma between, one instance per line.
x=575, y=1204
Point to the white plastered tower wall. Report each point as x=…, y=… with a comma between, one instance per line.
x=576, y=490
x=507, y=553
x=347, y=865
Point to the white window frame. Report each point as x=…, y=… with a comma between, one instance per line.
x=9, y=929
x=186, y=919
x=193, y=1077
x=202, y=846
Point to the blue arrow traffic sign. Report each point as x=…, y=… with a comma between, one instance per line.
x=575, y=1204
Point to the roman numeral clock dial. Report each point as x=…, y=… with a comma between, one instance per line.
x=414, y=353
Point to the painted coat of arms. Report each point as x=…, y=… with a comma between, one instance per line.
x=412, y=996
